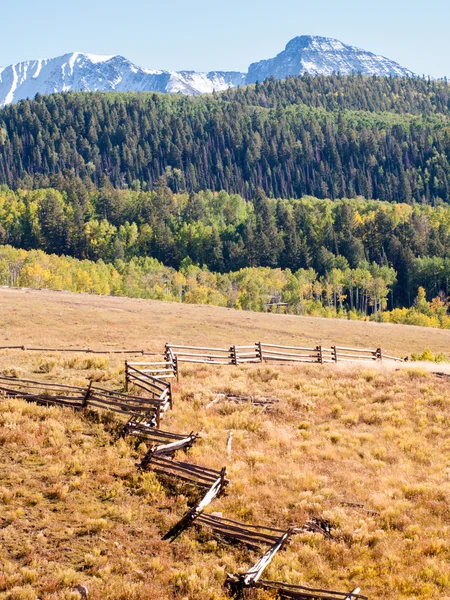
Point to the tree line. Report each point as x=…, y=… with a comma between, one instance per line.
x=342, y=293
x=329, y=137
x=224, y=232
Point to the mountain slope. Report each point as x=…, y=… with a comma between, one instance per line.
x=323, y=56
x=88, y=72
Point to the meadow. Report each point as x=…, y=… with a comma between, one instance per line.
x=364, y=446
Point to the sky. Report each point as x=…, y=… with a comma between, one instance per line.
x=204, y=35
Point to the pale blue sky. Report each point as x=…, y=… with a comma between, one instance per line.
x=223, y=35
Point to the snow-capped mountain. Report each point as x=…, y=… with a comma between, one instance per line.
x=89, y=72
x=323, y=56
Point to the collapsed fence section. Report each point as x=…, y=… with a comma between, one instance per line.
x=252, y=578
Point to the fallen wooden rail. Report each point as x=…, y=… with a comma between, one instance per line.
x=252, y=578
x=286, y=591
x=265, y=402
x=194, y=513
x=237, y=583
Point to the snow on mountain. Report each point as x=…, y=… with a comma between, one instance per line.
x=323, y=56
x=89, y=72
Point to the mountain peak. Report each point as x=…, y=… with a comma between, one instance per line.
x=79, y=71
x=319, y=55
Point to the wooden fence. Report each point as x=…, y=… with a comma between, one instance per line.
x=79, y=397
x=252, y=578
x=144, y=421
x=144, y=378
x=163, y=443
x=80, y=350
x=261, y=352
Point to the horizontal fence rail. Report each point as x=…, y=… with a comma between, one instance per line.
x=251, y=535
x=188, y=472
x=80, y=350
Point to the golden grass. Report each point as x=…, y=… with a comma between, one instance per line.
x=57, y=319
x=75, y=510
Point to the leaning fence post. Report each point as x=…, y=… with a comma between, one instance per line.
x=175, y=368
x=170, y=396
x=158, y=415
x=86, y=395
x=126, y=376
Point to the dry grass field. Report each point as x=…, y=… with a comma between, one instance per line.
x=75, y=510
x=44, y=318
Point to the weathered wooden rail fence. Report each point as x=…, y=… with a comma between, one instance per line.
x=145, y=415
x=79, y=350
x=152, y=378
x=83, y=397
x=262, y=352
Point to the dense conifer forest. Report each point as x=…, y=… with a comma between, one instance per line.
x=329, y=137
x=236, y=198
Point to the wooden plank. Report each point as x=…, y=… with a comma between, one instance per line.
x=356, y=356
x=172, y=346
x=312, y=359
x=203, y=362
x=251, y=577
x=170, y=448
x=270, y=354
x=248, y=525
x=197, y=355
x=265, y=346
x=193, y=514
x=355, y=349
x=319, y=593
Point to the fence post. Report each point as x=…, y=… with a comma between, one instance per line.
x=320, y=354
x=170, y=396
x=259, y=351
x=175, y=368
x=158, y=415
x=379, y=354
x=86, y=395
x=126, y=376
x=233, y=355
x=334, y=353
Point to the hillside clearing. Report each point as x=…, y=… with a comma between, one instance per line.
x=64, y=319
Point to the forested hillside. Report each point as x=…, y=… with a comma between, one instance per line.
x=225, y=233
x=330, y=137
